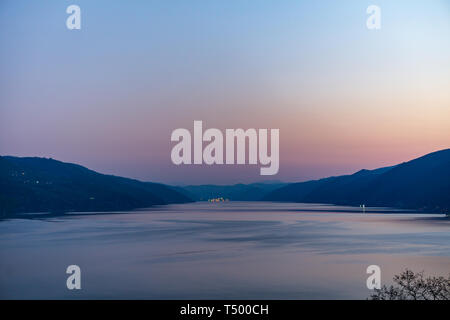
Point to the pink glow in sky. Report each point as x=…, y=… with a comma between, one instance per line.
x=109, y=95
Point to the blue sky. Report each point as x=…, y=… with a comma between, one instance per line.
x=108, y=96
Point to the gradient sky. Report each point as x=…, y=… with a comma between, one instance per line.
x=109, y=95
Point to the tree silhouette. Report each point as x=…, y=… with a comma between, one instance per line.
x=414, y=286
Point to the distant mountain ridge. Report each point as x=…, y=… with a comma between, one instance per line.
x=236, y=192
x=422, y=183
x=47, y=185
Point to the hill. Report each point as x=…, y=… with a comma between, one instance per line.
x=422, y=183
x=47, y=185
x=237, y=192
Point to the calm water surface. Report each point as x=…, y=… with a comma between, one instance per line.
x=233, y=250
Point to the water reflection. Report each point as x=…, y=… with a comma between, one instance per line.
x=243, y=250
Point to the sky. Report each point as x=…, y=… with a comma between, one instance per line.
x=109, y=95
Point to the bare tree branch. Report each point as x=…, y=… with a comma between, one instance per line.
x=414, y=286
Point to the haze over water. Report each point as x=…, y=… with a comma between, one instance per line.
x=234, y=250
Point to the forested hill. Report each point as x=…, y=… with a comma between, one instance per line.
x=422, y=183
x=47, y=185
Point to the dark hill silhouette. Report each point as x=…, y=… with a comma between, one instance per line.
x=47, y=185
x=422, y=183
x=237, y=192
